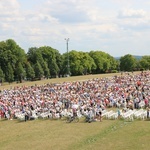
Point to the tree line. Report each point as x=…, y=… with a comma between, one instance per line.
x=47, y=62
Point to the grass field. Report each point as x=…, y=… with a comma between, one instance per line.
x=57, y=80
x=58, y=135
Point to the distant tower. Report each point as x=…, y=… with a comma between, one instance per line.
x=68, y=65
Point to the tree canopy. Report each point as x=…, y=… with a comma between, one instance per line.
x=128, y=63
x=47, y=62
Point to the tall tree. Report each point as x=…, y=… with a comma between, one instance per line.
x=75, y=66
x=11, y=53
x=128, y=63
x=87, y=62
x=103, y=61
x=2, y=76
x=20, y=72
x=31, y=55
x=38, y=70
x=17, y=53
x=9, y=73
x=30, y=74
x=145, y=62
x=79, y=63
x=53, y=59
x=46, y=70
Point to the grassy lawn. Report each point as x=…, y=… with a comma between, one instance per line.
x=59, y=80
x=57, y=135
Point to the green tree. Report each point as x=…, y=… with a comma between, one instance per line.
x=75, y=66
x=31, y=55
x=54, y=69
x=9, y=73
x=30, y=74
x=46, y=70
x=87, y=62
x=20, y=72
x=128, y=63
x=2, y=76
x=75, y=63
x=53, y=59
x=79, y=63
x=59, y=60
x=50, y=59
x=11, y=53
x=3, y=55
x=38, y=70
x=104, y=62
x=15, y=53
x=145, y=62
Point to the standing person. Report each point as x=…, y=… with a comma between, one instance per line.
x=26, y=115
x=146, y=102
x=90, y=115
x=74, y=110
x=147, y=112
x=67, y=104
x=100, y=115
x=119, y=113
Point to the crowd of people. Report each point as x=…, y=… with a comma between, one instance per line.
x=91, y=96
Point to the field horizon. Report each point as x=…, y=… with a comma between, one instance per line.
x=60, y=80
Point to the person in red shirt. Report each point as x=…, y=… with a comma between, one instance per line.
x=146, y=102
x=138, y=83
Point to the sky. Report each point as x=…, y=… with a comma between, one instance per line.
x=117, y=27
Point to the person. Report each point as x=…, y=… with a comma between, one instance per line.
x=147, y=109
x=119, y=113
x=74, y=110
x=100, y=114
x=26, y=116
x=90, y=115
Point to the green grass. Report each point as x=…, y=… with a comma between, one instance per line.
x=58, y=135
x=56, y=80
x=59, y=80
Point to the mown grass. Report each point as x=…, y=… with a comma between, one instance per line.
x=59, y=80
x=58, y=135
x=56, y=80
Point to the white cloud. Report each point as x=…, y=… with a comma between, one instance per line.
x=9, y=10
x=6, y=4
x=40, y=17
x=106, y=25
x=134, y=20
x=131, y=13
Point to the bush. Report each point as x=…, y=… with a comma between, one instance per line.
x=114, y=71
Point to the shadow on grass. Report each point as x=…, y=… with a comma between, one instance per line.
x=148, y=119
x=14, y=120
x=4, y=119
x=20, y=121
x=23, y=121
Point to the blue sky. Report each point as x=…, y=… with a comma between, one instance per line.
x=117, y=27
